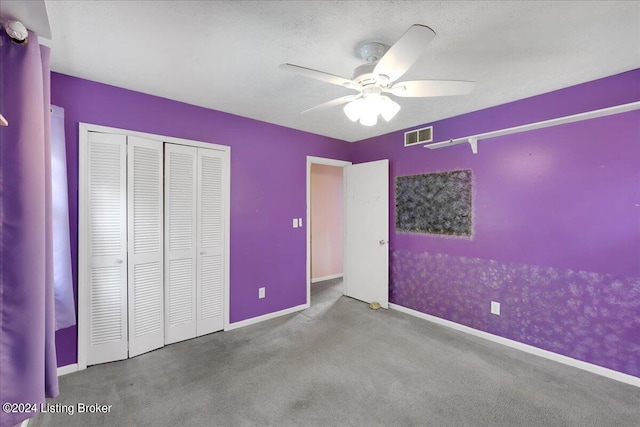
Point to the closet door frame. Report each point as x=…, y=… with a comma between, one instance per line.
x=84, y=129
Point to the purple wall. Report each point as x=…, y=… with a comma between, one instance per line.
x=556, y=225
x=268, y=187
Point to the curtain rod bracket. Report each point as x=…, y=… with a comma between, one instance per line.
x=473, y=142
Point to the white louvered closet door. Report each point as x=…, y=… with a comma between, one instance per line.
x=210, y=241
x=145, y=211
x=180, y=242
x=107, y=247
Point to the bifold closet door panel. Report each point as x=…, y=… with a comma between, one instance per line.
x=106, y=208
x=145, y=211
x=210, y=241
x=180, y=188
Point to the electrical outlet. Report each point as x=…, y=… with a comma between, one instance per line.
x=495, y=308
x=261, y=293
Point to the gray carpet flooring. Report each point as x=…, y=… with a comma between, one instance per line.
x=340, y=363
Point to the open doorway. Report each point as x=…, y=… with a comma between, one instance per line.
x=325, y=226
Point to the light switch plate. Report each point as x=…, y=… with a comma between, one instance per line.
x=299, y=222
x=261, y=293
x=495, y=308
x=295, y=222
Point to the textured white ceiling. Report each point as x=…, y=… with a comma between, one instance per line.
x=224, y=55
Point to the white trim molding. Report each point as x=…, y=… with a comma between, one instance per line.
x=67, y=369
x=323, y=278
x=264, y=317
x=595, y=369
x=330, y=162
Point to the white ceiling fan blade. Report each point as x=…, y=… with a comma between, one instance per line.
x=423, y=88
x=320, y=75
x=405, y=52
x=334, y=102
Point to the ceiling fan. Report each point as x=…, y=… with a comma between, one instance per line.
x=385, y=65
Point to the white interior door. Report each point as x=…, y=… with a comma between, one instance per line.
x=145, y=254
x=211, y=237
x=180, y=242
x=367, y=232
x=107, y=247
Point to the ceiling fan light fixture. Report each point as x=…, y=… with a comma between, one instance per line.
x=384, y=66
x=367, y=109
x=371, y=103
x=369, y=118
x=388, y=108
x=352, y=110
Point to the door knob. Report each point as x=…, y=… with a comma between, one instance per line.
x=118, y=261
x=382, y=242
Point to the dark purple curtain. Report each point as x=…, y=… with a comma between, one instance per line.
x=27, y=319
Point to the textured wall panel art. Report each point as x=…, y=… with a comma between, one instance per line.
x=435, y=203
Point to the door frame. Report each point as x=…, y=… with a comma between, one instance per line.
x=329, y=162
x=83, y=133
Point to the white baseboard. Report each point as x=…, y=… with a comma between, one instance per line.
x=67, y=369
x=323, y=278
x=264, y=317
x=599, y=370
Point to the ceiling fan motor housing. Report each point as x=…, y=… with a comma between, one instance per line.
x=365, y=76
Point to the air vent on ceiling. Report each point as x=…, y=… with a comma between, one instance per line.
x=418, y=136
